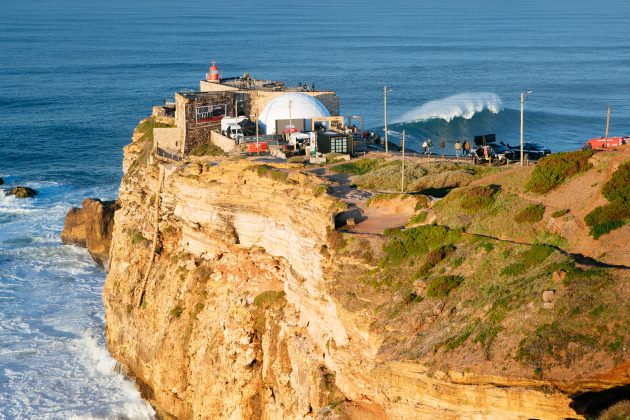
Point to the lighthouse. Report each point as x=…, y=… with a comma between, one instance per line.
x=213, y=75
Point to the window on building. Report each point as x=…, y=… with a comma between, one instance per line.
x=339, y=145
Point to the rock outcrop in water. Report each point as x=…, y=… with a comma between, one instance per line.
x=91, y=227
x=23, y=192
x=230, y=295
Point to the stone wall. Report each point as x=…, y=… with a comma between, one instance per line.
x=168, y=138
x=226, y=144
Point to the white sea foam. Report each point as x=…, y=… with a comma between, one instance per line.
x=463, y=105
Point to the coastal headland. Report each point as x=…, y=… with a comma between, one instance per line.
x=241, y=286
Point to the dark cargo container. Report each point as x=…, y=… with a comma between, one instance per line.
x=332, y=142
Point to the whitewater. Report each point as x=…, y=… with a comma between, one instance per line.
x=464, y=105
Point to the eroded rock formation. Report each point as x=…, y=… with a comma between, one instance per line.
x=23, y=192
x=91, y=226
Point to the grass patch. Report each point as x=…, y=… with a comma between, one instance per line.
x=419, y=218
x=266, y=171
x=530, y=214
x=559, y=213
x=207, y=149
x=551, y=342
x=477, y=198
x=551, y=171
x=528, y=259
x=616, y=213
x=440, y=287
x=357, y=167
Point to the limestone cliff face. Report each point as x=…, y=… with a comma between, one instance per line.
x=91, y=227
x=221, y=302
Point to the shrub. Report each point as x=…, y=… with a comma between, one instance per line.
x=176, y=312
x=357, y=167
x=559, y=213
x=530, y=214
x=477, y=198
x=417, y=242
x=616, y=213
x=551, y=171
x=440, y=287
x=618, y=187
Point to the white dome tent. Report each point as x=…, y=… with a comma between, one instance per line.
x=290, y=106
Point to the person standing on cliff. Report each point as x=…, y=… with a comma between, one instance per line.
x=466, y=148
x=458, y=149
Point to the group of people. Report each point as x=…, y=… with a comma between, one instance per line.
x=461, y=149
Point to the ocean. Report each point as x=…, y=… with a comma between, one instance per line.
x=76, y=77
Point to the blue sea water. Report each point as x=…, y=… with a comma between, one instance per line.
x=76, y=76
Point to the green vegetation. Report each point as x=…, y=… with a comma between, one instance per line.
x=552, y=170
x=559, y=213
x=320, y=189
x=137, y=237
x=422, y=202
x=440, y=287
x=552, y=340
x=385, y=197
x=145, y=128
x=418, y=218
x=268, y=298
x=207, y=149
x=479, y=197
x=528, y=259
x=530, y=214
x=263, y=302
x=418, y=242
x=336, y=240
x=357, y=167
x=176, y=312
x=419, y=176
x=616, y=213
x=411, y=254
x=618, y=411
x=266, y=171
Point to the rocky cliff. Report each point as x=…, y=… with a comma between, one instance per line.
x=231, y=295
x=91, y=226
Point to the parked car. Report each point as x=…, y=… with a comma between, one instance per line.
x=487, y=154
x=503, y=152
x=531, y=150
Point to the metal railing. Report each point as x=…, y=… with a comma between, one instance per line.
x=176, y=157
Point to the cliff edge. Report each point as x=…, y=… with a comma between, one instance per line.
x=232, y=295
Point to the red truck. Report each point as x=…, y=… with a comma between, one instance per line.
x=602, y=142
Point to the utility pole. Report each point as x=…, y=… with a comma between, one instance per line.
x=385, y=118
x=607, y=125
x=402, y=144
x=523, y=98
x=290, y=121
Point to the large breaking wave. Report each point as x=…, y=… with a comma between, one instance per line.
x=464, y=105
